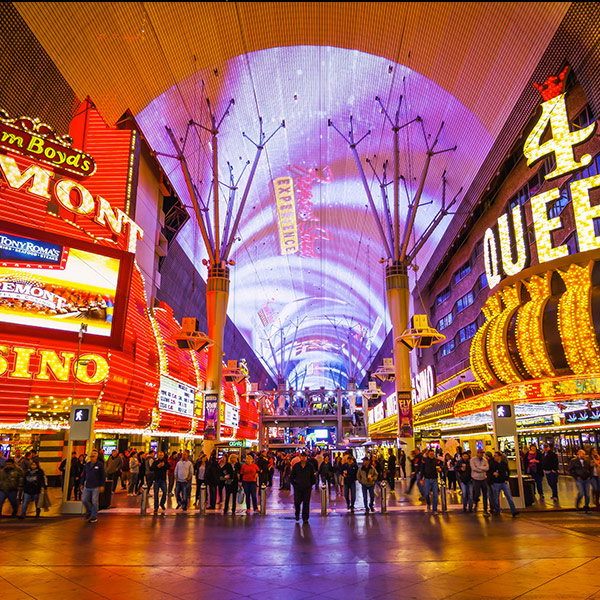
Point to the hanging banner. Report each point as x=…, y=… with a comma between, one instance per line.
x=211, y=414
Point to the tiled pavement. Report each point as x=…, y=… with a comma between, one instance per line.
x=549, y=555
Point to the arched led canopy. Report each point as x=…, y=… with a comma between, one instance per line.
x=467, y=64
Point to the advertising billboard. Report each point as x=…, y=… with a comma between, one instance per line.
x=176, y=397
x=56, y=283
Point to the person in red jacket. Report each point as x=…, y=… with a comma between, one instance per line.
x=249, y=474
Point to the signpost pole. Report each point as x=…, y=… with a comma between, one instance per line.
x=505, y=426
x=65, y=490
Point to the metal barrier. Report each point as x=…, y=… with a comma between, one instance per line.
x=144, y=503
x=384, y=493
x=203, y=499
x=263, y=499
x=324, y=499
x=443, y=496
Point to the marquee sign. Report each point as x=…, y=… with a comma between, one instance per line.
x=176, y=397
x=34, y=139
x=505, y=249
x=423, y=385
x=72, y=196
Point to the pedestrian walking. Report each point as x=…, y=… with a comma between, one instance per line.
x=367, y=477
x=92, y=481
x=303, y=478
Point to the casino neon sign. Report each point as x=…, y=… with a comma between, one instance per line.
x=505, y=250
x=41, y=364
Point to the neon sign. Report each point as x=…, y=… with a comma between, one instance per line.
x=72, y=196
x=514, y=254
x=423, y=385
x=90, y=369
x=32, y=138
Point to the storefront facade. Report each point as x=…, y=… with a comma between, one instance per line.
x=536, y=342
x=76, y=324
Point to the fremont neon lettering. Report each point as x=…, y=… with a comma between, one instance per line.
x=72, y=196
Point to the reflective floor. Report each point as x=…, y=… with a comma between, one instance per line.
x=403, y=554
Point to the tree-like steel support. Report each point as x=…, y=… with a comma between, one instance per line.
x=218, y=241
x=395, y=244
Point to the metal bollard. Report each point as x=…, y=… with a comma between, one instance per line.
x=324, y=499
x=263, y=499
x=203, y=499
x=144, y=504
x=384, y=493
x=443, y=496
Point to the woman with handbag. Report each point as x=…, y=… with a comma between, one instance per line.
x=231, y=472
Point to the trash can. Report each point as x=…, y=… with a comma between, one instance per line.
x=528, y=488
x=106, y=496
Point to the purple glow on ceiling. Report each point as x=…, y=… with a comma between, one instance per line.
x=325, y=300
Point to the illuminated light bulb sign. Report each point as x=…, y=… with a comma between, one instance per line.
x=91, y=368
x=504, y=246
x=34, y=139
x=72, y=196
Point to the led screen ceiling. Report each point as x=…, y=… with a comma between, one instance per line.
x=307, y=289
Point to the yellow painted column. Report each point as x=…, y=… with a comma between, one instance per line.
x=396, y=282
x=217, y=296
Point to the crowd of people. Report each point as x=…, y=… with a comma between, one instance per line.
x=22, y=482
x=228, y=481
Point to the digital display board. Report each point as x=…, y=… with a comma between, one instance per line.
x=232, y=416
x=56, y=283
x=176, y=397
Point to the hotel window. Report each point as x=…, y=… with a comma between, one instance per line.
x=559, y=204
x=442, y=296
x=465, y=301
x=445, y=321
x=462, y=272
x=466, y=333
x=447, y=348
x=584, y=118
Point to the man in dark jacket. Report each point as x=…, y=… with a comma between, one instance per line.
x=463, y=472
x=581, y=470
x=550, y=469
x=349, y=474
x=212, y=478
x=391, y=471
x=303, y=478
x=92, y=481
x=262, y=462
x=160, y=467
x=499, y=480
x=113, y=467
x=11, y=479
x=431, y=467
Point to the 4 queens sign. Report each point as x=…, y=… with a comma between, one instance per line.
x=506, y=251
